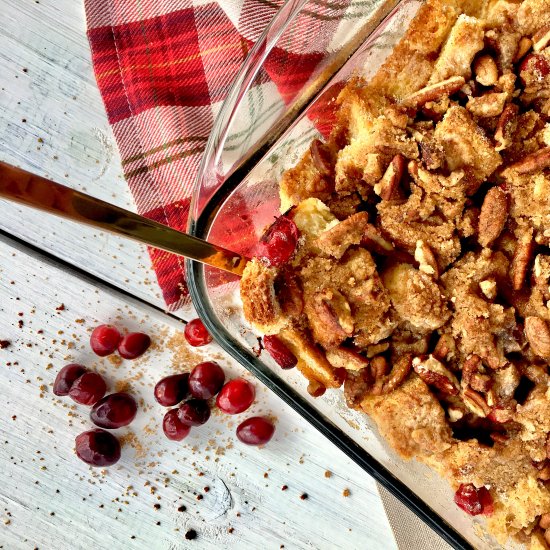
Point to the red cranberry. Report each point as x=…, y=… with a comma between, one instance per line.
x=133, y=345
x=172, y=389
x=474, y=501
x=88, y=389
x=535, y=64
x=105, y=340
x=97, y=448
x=280, y=353
x=65, y=378
x=278, y=243
x=255, y=431
x=114, y=411
x=196, y=334
x=194, y=412
x=236, y=396
x=172, y=426
x=206, y=380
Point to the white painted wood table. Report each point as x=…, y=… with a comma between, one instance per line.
x=52, y=122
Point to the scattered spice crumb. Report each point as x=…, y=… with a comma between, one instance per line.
x=206, y=489
x=266, y=475
x=156, y=506
x=328, y=474
x=4, y=344
x=284, y=487
x=230, y=530
x=199, y=497
x=60, y=307
x=346, y=492
x=182, y=508
x=191, y=534
x=304, y=496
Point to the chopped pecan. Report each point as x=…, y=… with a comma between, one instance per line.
x=536, y=374
x=444, y=348
x=435, y=374
x=425, y=257
x=374, y=168
x=470, y=367
x=499, y=437
x=486, y=70
x=349, y=359
x=356, y=387
x=523, y=254
x=544, y=521
x=379, y=367
x=434, y=91
x=534, y=162
x=374, y=241
x=500, y=414
x=489, y=288
x=432, y=154
x=289, y=293
x=395, y=378
x=475, y=402
x=523, y=47
x=538, y=335
x=315, y=388
x=376, y=349
x=488, y=105
x=388, y=187
x=481, y=382
x=494, y=212
x=333, y=321
x=506, y=126
x=322, y=158
x=541, y=38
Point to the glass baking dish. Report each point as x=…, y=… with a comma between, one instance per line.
x=260, y=131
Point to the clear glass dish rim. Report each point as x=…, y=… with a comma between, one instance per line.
x=199, y=226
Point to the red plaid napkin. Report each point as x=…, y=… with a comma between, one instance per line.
x=163, y=68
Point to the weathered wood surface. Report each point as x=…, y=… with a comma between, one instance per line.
x=53, y=123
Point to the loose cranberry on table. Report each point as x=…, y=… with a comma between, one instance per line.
x=172, y=426
x=88, y=389
x=133, y=345
x=255, y=431
x=236, y=396
x=280, y=353
x=196, y=334
x=114, y=411
x=206, y=380
x=278, y=243
x=474, y=501
x=171, y=390
x=194, y=412
x=97, y=448
x=105, y=339
x=66, y=377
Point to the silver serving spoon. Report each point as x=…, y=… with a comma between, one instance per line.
x=31, y=190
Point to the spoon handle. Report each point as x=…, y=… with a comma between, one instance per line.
x=31, y=190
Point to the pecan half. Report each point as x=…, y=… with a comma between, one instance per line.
x=332, y=318
x=434, y=91
x=289, y=293
x=388, y=187
x=349, y=359
x=486, y=70
x=541, y=38
x=475, y=402
x=538, y=335
x=506, y=126
x=395, y=378
x=425, y=257
x=435, y=374
x=535, y=162
x=523, y=254
x=493, y=215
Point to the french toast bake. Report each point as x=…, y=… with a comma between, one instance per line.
x=411, y=264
